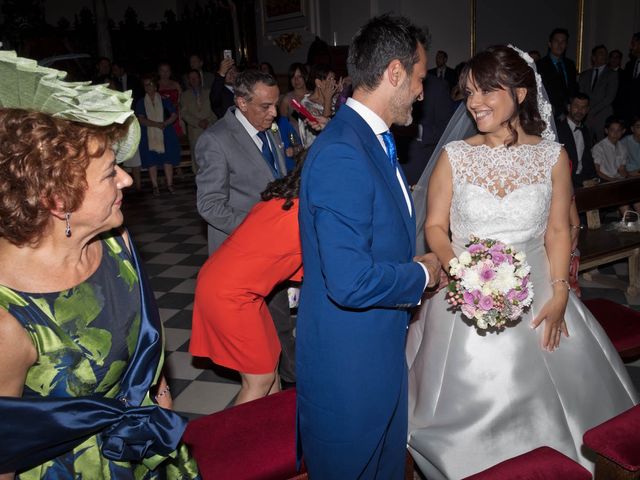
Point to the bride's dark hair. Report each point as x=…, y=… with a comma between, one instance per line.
x=502, y=67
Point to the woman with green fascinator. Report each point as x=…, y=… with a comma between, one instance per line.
x=81, y=390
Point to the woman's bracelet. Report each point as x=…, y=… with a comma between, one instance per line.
x=577, y=227
x=561, y=280
x=163, y=392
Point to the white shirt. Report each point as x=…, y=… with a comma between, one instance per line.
x=379, y=126
x=251, y=130
x=609, y=157
x=578, y=139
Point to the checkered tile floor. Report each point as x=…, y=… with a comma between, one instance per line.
x=171, y=238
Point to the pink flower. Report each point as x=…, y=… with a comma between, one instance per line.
x=468, y=311
x=511, y=295
x=486, y=303
x=516, y=311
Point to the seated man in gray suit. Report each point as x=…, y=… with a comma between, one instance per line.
x=237, y=157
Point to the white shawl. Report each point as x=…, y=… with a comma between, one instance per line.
x=155, y=112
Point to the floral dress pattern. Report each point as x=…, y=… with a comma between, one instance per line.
x=84, y=337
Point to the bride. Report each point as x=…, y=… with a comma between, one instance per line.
x=479, y=397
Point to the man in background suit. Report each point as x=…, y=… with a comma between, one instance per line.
x=222, y=95
x=357, y=227
x=127, y=81
x=443, y=71
x=431, y=115
x=196, y=63
x=237, y=157
x=576, y=138
x=600, y=83
x=558, y=72
x=630, y=83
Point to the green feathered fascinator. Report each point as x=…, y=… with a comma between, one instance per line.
x=25, y=84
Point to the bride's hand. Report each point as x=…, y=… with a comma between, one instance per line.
x=554, y=325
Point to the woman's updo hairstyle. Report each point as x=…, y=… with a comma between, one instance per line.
x=501, y=67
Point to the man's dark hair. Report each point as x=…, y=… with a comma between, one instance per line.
x=446, y=57
x=246, y=82
x=615, y=51
x=597, y=47
x=558, y=30
x=579, y=96
x=380, y=41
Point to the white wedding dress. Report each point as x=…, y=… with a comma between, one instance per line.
x=477, y=398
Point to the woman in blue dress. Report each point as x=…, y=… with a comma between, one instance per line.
x=159, y=144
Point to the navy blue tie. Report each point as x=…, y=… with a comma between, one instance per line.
x=387, y=137
x=266, y=152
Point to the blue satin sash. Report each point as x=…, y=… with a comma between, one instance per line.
x=35, y=430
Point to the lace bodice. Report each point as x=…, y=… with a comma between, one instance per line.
x=501, y=193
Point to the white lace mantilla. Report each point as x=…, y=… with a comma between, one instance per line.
x=501, y=193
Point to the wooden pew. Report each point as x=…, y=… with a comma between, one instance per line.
x=597, y=244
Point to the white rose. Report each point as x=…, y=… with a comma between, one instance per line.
x=465, y=258
x=453, y=262
x=486, y=289
x=520, y=256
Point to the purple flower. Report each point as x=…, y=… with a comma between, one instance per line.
x=498, y=257
x=487, y=274
x=497, y=248
x=523, y=294
x=476, y=248
x=486, y=303
x=468, y=298
x=511, y=295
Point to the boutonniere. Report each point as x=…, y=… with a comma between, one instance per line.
x=274, y=127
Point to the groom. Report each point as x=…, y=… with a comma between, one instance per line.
x=357, y=227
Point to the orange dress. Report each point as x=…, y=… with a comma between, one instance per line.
x=231, y=322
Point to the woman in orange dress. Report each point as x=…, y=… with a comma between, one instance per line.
x=231, y=322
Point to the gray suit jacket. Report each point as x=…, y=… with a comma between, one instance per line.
x=231, y=175
x=602, y=97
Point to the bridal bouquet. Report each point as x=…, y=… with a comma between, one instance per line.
x=490, y=283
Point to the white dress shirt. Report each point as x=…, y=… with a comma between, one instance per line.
x=379, y=126
x=609, y=157
x=251, y=130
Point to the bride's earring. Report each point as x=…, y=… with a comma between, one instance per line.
x=67, y=229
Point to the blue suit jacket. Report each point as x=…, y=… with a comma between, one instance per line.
x=358, y=241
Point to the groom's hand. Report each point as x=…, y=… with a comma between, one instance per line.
x=430, y=261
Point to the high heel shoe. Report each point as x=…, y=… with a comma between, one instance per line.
x=171, y=189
